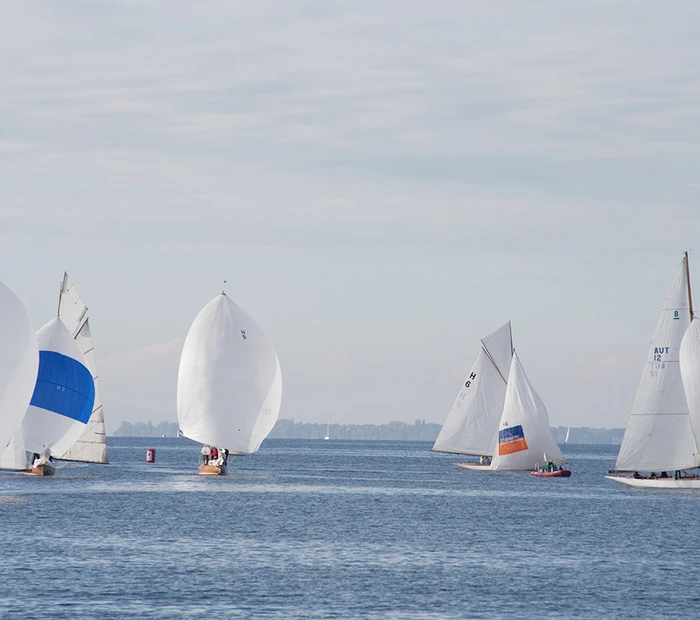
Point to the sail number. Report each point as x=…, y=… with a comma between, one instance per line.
x=467, y=384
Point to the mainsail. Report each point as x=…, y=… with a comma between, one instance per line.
x=91, y=446
x=689, y=359
x=229, y=386
x=14, y=458
x=659, y=436
x=472, y=423
x=63, y=396
x=524, y=436
x=19, y=361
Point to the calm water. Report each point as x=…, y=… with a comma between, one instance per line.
x=313, y=529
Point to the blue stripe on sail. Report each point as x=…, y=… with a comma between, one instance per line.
x=64, y=386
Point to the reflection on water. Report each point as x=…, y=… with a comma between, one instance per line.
x=308, y=529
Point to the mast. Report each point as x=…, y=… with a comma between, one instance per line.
x=687, y=279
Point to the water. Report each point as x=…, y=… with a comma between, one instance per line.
x=341, y=529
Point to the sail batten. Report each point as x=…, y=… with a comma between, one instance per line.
x=229, y=383
x=471, y=424
x=659, y=435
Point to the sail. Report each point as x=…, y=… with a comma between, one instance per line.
x=19, y=361
x=14, y=458
x=229, y=386
x=524, y=436
x=63, y=396
x=472, y=423
x=689, y=361
x=659, y=436
x=91, y=446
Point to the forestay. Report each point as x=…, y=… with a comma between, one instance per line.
x=19, y=360
x=64, y=394
x=91, y=446
x=472, y=423
x=229, y=386
x=524, y=436
x=659, y=436
x=689, y=361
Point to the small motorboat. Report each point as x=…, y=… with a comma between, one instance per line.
x=559, y=473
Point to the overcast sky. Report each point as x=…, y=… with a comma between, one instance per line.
x=382, y=183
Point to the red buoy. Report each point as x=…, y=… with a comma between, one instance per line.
x=150, y=455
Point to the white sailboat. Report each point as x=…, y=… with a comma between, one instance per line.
x=229, y=388
x=568, y=431
x=660, y=438
x=62, y=400
x=328, y=431
x=471, y=426
x=525, y=439
x=19, y=362
x=91, y=446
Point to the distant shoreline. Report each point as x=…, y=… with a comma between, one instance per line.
x=392, y=431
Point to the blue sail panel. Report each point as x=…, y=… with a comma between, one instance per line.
x=64, y=386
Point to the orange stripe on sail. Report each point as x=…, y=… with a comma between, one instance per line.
x=510, y=447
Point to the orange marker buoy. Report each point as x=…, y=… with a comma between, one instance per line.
x=150, y=455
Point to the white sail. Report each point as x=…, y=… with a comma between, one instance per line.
x=472, y=423
x=229, y=387
x=19, y=361
x=91, y=446
x=524, y=437
x=63, y=395
x=689, y=361
x=659, y=436
x=14, y=458
x=568, y=431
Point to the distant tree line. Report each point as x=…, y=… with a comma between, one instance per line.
x=395, y=431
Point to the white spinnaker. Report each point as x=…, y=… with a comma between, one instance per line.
x=524, y=410
x=91, y=446
x=472, y=423
x=659, y=436
x=46, y=429
x=19, y=363
x=14, y=458
x=689, y=361
x=229, y=387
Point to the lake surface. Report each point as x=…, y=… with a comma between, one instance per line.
x=342, y=529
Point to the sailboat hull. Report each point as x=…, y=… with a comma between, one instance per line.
x=658, y=483
x=212, y=470
x=41, y=470
x=474, y=466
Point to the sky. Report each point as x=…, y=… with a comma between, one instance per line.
x=381, y=183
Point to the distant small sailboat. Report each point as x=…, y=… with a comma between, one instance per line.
x=566, y=439
x=229, y=387
x=524, y=435
x=471, y=426
x=62, y=401
x=662, y=432
x=328, y=431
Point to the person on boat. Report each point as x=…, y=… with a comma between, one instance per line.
x=636, y=475
x=224, y=454
x=484, y=460
x=213, y=453
x=664, y=474
x=550, y=465
x=677, y=475
x=205, y=454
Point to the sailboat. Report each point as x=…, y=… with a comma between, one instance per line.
x=229, y=387
x=19, y=362
x=328, y=431
x=661, y=433
x=471, y=426
x=568, y=431
x=525, y=440
x=91, y=446
x=63, y=398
